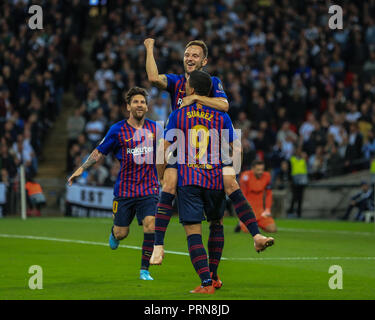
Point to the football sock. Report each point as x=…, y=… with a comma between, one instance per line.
x=215, y=248
x=162, y=217
x=198, y=258
x=147, y=248
x=244, y=211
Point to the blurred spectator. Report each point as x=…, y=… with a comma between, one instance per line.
x=369, y=145
x=364, y=201
x=317, y=164
x=75, y=126
x=24, y=154
x=369, y=66
x=354, y=149
x=7, y=161
x=334, y=161
x=308, y=127
x=336, y=129
x=299, y=174
x=32, y=75
x=94, y=129
x=283, y=177
x=35, y=197
x=97, y=174
x=73, y=60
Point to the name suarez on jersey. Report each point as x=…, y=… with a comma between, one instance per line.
x=200, y=114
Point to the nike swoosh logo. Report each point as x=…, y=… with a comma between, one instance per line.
x=127, y=140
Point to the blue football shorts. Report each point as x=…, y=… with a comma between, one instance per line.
x=125, y=209
x=195, y=204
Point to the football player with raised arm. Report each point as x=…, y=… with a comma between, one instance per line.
x=195, y=58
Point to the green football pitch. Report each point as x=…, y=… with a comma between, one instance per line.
x=78, y=264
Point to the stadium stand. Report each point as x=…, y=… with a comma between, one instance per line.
x=36, y=66
x=291, y=81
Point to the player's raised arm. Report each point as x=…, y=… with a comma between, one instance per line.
x=159, y=81
x=94, y=157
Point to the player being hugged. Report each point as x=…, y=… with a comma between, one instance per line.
x=195, y=58
x=133, y=142
x=200, y=181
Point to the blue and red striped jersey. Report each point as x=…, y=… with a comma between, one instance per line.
x=136, y=151
x=176, y=88
x=200, y=162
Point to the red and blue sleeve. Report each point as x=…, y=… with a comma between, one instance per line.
x=109, y=142
x=169, y=133
x=171, y=79
x=217, y=88
x=229, y=126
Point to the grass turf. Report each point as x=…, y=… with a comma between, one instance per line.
x=296, y=267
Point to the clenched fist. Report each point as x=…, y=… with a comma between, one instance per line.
x=149, y=43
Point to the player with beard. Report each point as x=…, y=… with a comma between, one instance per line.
x=133, y=142
x=195, y=58
x=256, y=187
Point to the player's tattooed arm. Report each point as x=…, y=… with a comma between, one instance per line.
x=153, y=76
x=94, y=157
x=162, y=82
x=217, y=103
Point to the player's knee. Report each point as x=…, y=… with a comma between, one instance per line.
x=120, y=233
x=169, y=187
x=230, y=184
x=149, y=224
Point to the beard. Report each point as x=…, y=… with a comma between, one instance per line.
x=197, y=66
x=138, y=117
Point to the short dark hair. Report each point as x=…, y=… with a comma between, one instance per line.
x=201, y=44
x=133, y=92
x=257, y=163
x=201, y=82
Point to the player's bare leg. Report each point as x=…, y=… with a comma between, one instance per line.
x=169, y=186
x=157, y=255
x=231, y=186
x=118, y=233
x=170, y=180
x=261, y=242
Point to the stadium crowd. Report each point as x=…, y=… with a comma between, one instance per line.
x=36, y=66
x=291, y=81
